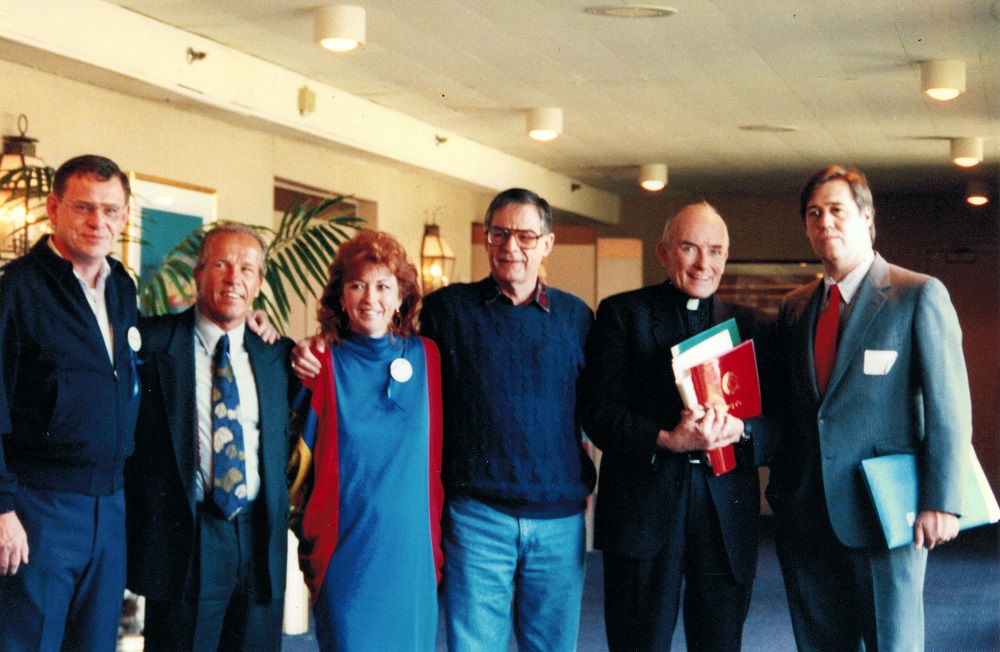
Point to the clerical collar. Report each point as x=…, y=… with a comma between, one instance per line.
x=688, y=302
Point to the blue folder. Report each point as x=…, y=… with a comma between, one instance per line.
x=892, y=484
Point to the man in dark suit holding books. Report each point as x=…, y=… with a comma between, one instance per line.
x=662, y=515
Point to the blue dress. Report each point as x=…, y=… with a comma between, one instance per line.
x=377, y=496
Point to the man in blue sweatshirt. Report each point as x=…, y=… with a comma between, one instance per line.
x=69, y=397
x=514, y=469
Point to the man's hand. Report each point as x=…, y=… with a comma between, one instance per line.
x=701, y=430
x=932, y=528
x=306, y=365
x=13, y=544
x=258, y=322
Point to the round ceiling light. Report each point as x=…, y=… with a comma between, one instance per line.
x=631, y=11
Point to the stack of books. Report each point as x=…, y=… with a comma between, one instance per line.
x=716, y=369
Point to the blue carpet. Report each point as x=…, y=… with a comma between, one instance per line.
x=961, y=602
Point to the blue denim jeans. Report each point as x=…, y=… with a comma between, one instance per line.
x=503, y=571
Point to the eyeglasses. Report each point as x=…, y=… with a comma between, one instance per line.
x=525, y=239
x=107, y=211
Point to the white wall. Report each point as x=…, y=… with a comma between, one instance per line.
x=70, y=118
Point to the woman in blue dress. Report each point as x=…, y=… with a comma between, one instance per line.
x=370, y=529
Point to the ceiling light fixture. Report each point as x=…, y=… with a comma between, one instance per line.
x=545, y=123
x=626, y=10
x=942, y=79
x=653, y=176
x=340, y=28
x=977, y=194
x=967, y=151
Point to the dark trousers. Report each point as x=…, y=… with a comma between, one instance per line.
x=220, y=609
x=69, y=594
x=642, y=596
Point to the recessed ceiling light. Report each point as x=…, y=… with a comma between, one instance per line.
x=770, y=129
x=631, y=11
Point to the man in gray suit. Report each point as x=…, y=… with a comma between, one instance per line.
x=883, y=373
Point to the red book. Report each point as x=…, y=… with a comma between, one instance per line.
x=728, y=383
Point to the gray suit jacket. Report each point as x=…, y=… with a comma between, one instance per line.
x=920, y=404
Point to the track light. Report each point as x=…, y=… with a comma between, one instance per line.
x=967, y=152
x=545, y=123
x=942, y=79
x=653, y=176
x=977, y=194
x=340, y=28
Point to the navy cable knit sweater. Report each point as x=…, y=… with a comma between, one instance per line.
x=509, y=379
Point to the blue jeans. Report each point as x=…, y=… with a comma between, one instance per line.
x=501, y=570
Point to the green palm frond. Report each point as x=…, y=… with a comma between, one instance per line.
x=300, y=251
x=26, y=187
x=27, y=184
x=175, y=275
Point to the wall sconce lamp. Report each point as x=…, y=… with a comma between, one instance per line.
x=653, y=176
x=437, y=261
x=977, y=194
x=339, y=28
x=967, y=152
x=546, y=123
x=25, y=183
x=942, y=79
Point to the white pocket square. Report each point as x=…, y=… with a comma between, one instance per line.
x=878, y=363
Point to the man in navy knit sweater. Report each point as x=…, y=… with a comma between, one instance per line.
x=515, y=472
x=69, y=397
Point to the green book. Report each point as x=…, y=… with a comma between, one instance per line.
x=691, y=342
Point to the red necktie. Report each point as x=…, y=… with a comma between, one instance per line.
x=825, y=350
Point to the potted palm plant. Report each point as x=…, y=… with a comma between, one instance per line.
x=299, y=252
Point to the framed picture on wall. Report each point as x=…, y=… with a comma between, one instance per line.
x=762, y=285
x=164, y=212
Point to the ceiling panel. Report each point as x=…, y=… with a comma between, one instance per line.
x=674, y=90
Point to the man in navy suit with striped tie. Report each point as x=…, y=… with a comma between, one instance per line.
x=206, y=494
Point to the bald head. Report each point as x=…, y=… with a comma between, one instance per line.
x=694, y=249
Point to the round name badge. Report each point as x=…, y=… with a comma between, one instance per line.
x=134, y=339
x=401, y=370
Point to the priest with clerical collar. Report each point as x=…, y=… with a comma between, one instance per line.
x=663, y=518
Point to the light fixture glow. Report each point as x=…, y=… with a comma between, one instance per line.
x=437, y=260
x=942, y=79
x=546, y=123
x=653, y=176
x=977, y=194
x=340, y=28
x=25, y=181
x=967, y=152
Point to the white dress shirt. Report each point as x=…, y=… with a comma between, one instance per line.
x=206, y=337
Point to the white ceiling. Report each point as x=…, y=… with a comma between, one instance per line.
x=674, y=90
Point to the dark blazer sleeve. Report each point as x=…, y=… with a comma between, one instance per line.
x=614, y=370
x=271, y=371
